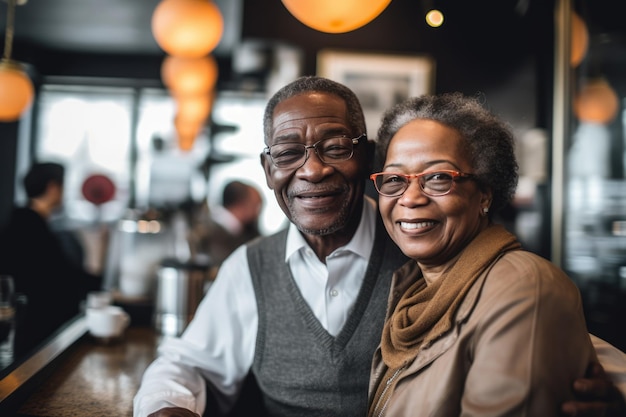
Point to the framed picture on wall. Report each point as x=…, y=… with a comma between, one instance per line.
x=378, y=80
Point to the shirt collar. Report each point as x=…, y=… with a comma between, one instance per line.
x=361, y=243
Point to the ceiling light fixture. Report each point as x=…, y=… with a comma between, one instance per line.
x=434, y=18
x=189, y=76
x=596, y=102
x=187, y=28
x=335, y=16
x=16, y=88
x=580, y=40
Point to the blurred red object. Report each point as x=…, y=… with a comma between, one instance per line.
x=98, y=189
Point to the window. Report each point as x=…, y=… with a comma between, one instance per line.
x=89, y=131
x=127, y=134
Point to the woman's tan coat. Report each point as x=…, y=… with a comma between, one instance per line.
x=518, y=342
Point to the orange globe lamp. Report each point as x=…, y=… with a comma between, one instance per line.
x=596, y=102
x=580, y=40
x=186, y=141
x=16, y=90
x=335, y=16
x=187, y=125
x=194, y=107
x=187, y=130
x=189, y=76
x=187, y=28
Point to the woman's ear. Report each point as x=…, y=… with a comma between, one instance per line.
x=486, y=200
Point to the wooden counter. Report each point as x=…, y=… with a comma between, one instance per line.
x=92, y=378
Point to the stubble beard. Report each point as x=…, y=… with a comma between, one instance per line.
x=340, y=222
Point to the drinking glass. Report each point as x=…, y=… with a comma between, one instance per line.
x=7, y=319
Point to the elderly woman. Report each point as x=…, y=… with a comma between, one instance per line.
x=476, y=326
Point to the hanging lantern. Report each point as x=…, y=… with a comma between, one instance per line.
x=335, y=16
x=188, y=126
x=187, y=28
x=195, y=107
x=187, y=129
x=189, y=76
x=16, y=88
x=596, y=102
x=186, y=142
x=186, y=132
x=580, y=40
x=16, y=91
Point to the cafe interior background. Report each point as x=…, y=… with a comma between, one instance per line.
x=108, y=104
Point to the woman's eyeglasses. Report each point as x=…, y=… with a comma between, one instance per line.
x=434, y=184
x=293, y=155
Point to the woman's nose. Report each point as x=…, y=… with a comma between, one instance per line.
x=413, y=195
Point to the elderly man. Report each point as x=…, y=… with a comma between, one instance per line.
x=302, y=310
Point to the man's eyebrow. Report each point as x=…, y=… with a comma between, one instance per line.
x=287, y=137
x=324, y=133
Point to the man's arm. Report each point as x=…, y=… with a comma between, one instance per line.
x=168, y=384
x=602, y=391
x=215, y=352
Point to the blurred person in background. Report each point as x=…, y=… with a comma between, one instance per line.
x=54, y=284
x=223, y=228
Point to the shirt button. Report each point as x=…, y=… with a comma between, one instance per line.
x=334, y=293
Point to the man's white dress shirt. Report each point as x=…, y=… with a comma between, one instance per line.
x=221, y=338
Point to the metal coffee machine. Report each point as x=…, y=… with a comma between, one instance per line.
x=180, y=288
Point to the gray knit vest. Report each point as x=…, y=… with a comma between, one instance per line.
x=300, y=368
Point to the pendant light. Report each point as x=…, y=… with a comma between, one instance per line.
x=335, y=16
x=16, y=88
x=580, y=40
x=189, y=76
x=596, y=102
x=187, y=28
x=187, y=130
x=194, y=107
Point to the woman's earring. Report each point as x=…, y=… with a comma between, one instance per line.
x=485, y=211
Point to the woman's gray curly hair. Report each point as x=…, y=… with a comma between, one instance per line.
x=489, y=140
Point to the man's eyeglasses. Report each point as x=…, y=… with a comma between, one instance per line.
x=434, y=184
x=293, y=155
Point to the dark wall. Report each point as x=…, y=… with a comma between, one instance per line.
x=479, y=46
x=8, y=150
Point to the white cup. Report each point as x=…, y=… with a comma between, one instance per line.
x=107, y=322
x=99, y=299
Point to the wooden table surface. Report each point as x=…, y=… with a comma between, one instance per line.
x=94, y=378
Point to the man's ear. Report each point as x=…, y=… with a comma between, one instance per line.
x=267, y=167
